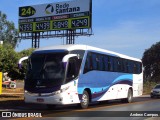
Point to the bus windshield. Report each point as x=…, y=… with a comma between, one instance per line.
x=45, y=70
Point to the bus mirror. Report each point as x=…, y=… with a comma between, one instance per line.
x=20, y=61
x=66, y=58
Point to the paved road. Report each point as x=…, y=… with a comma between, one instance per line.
x=115, y=110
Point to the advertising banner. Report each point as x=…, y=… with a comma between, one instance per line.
x=55, y=16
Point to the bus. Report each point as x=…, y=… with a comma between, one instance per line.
x=80, y=74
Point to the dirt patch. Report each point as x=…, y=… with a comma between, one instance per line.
x=16, y=101
x=17, y=90
x=11, y=97
x=8, y=101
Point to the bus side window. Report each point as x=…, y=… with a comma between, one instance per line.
x=101, y=63
x=125, y=66
x=115, y=64
x=130, y=66
x=139, y=68
x=94, y=61
x=119, y=65
x=97, y=62
x=106, y=68
x=88, y=65
x=111, y=64
x=135, y=67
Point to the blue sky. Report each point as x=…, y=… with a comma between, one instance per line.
x=125, y=26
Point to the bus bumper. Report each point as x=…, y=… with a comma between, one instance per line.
x=59, y=99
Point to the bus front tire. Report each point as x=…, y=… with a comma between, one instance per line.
x=85, y=100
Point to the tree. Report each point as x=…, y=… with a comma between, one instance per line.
x=8, y=32
x=151, y=63
x=24, y=64
x=8, y=60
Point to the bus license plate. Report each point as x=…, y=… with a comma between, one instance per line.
x=40, y=100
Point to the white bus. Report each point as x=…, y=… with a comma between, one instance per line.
x=71, y=74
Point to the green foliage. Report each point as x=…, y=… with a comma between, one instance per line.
x=8, y=32
x=24, y=64
x=148, y=86
x=9, y=61
x=151, y=63
x=8, y=56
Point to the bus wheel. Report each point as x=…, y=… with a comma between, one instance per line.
x=85, y=100
x=129, y=97
x=50, y=107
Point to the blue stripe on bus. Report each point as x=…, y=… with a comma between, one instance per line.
x=101, y=93
x=98, y=90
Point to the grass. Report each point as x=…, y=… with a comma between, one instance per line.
x=11, y=97
x=148, y=86
x=11, y=94
x=17, y=90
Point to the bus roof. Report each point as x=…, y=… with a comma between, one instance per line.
x=85, y=47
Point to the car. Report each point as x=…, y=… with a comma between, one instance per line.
x=155, y=92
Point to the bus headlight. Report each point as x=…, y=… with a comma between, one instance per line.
x=64, y=89
x=60, y=91
x=56, y=92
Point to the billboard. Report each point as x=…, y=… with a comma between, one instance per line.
x=55, y=16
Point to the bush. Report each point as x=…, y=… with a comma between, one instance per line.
x=24, y=67
x=9, y=61
x=148, y=86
